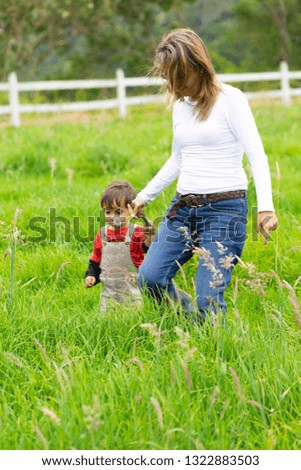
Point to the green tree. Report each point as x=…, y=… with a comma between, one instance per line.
x=65, y=38
x=267, y=32
x=211, y=19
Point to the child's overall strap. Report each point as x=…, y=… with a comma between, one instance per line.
x=131, y=230
x=104, y=232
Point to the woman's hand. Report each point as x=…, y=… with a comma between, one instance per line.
x=266, y=222
x=135, y=207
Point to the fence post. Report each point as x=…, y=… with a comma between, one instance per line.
x=121, y=93
x=14, y=99
x=285, y=84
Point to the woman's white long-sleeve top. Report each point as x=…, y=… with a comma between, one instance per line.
x=207, y=155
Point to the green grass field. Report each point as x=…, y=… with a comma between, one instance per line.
x=145, y=378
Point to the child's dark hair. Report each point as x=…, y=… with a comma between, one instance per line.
x=118, y=193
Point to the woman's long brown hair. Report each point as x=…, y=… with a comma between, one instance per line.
x=180, y=54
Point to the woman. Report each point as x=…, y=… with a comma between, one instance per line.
x=212, y=127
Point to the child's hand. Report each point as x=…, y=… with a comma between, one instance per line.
x=149, y=231
x=90, y=281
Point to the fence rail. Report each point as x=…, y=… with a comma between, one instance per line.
x=121, y=83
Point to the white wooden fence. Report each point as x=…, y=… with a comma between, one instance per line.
x=120, y=82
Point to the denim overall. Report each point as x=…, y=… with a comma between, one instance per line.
x=118, y=273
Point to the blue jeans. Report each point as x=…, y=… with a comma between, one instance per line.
x=218, y=230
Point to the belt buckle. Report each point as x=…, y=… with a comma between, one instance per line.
x=202, y=203
x=196, y=205
x=190, y=200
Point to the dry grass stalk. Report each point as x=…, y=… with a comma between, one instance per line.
x=11, y=232
x=41, y=437
x=226, y=262
x=52, y=415
x=92, y=415
x=285, y=393
x=214, y=319
x=293, y=301
x=272, y=441
x=288, y=287
x=61, y=268
x=8, y=252
x=69, y=172
x=68, y=362
x=135, y=360
x=62, y=377
x=158, y=410
x=221, y=249
x=184, y=230
x=187, y=374
x=205, y=255
x=215, y=393
x=52, y=164
x=190, y=354
x=224, y=408
x=134, y=345
x=278, y=280
x=209, y=262
x=275, y=319
x=151, y=328
x=235, y=290
x=171, y=431
x=198, y=444
x=193, y=284
x=13, y=359
x=43, y=350
x=236, y=381
x=296, y=248
x=236, y=314
x=173, y=304
x=255, y=403
x=182, y=273
x=279, y=317
x=17, y=214
x=173, y=373
x=27, y=283
x=153, y=331
x=256, y=280
x=297, y=281
x=296, y=222
x=183, y=337
x=278, y=171
x=179, y=300
x=138, y=399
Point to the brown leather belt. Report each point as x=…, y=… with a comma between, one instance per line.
x=194, y=200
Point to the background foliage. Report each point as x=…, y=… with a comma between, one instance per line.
x=82, y=39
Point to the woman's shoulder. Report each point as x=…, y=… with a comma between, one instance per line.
x=232, y=99
x=231, y=92
x=179, y=104
x=182, y=106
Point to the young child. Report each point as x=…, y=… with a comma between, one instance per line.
x=119, y=248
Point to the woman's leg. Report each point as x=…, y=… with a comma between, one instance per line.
x=171, y=247
x=222, y=232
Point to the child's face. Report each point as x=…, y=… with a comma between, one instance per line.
x=117, y=216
